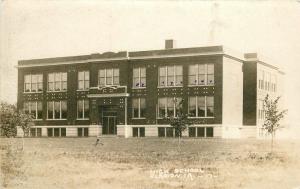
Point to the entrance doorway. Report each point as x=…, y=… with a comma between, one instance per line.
x=109, y=125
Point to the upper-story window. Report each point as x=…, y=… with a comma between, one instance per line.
x=33, y=82
x=201, y=74
x=260, y=79
x=169, y=106
x=34, y=108
x=83, y=80
x=139, y=77
x=108, y=77
x=201, y=106
x=57, y=81
x=170, y=76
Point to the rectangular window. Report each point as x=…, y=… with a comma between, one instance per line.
x=169, y=106
x=209, y=132
x=83, y=109
x=35, y=132
x=33, y=83
x=83, y=132
x=170, y=76
x=201, y=74
x=192, y=131
x=200, y=131
x=161, y=131
x=57, y=110
x=83, y=80
x=109, y=77
x=34, y=108
x=139, y=77
x=201, y=106
x=138, y=107
x=138, y=131
x=57, y=81
x=169, y=132
x=50, y=132
x=56, y=132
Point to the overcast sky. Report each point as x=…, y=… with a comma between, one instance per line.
x=40, y=29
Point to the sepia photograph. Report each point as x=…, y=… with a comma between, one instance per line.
x=149, y=94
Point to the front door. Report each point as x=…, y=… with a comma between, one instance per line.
x=109, y=125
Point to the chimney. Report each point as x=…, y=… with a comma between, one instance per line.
x=169, y=44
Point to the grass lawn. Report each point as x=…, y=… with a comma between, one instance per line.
x=144, y=163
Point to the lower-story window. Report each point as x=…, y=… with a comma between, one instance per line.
x=83, y=132
x=138, y=131
x=167, y=132
x=169, y=106
x=34, y=108
x=35, y=132
x=57, y=110
x=201, y=131
x=56, y=132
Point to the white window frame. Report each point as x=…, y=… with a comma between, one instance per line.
x=139, y=109
x=83, y=108
x=166, y=76
x=166, y=107
x=53, y=110
x=60, y=81
x=30, y=90
x=205, y=75
x=36, y=108
x=139, y=77
x=105, y=77
x=84, y=80
x=205, y=105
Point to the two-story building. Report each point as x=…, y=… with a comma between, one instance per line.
x=131, y=93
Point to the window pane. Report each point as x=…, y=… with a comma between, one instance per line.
x=162, y=81
x=50, y=132
x=169, y=132
x=62, y=132
x=193, y=80
x=64, y=85
x=27, y=87
x=64, y=76
x=170, y=107
x=116, y=71
x=50, y=77
x=50, y=86
x=79, y=109
x=57, y=85
x=143, y=72
x=209, y=132
x=143, y=107
x=178, y=70
x=109, y=81
x=33, y=78
x=56, y=110
x=136, y=72
x=109, y=73
x=86, y=109
x=210, y=106
x=143, y=81
x=86, y=84
x=102, y=81
x=192, y=131
x=201, y=106
x=56, y=132
x=201, y=79
x=57, y=77
x=39, y=110
x=40, y=86
x=193, y=69
x=142, y=131
x=26, y=107
x=40, y=78
x=178, y=105
x=161, y=131
x=38, y=132
x=79, y=132
x=179, y=80
x=136, y=82
x=210, y=79
x=86, y=75
x=33, y=109
x=102, y=73
x=201, y=68
x=161, y=107
x=34, y=87
x=27, y=79
x=170, y=76
x=192, y=106
x=135, y=106
x=200, y=132
x=80, y=85
x=63, y=109
x=80, y=75
x=50, y=110
x=116, y=80
x=86, y=132
x=210, y=68
x=162, y=71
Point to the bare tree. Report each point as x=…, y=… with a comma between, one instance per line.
x=272, y=117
